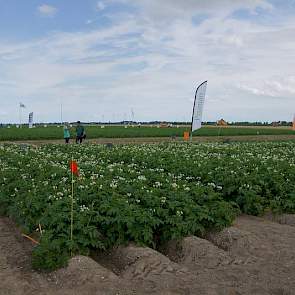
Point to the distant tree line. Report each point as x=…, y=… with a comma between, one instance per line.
x=210, y=123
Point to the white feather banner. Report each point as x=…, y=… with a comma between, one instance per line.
x=198, y=106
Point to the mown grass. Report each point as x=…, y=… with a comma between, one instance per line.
x=54, y=132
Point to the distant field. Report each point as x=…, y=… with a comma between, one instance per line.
x=40, y=133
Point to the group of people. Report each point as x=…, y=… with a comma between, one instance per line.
x=80, y=133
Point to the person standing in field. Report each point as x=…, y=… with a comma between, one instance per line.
x=80, y=132
x=67, y=134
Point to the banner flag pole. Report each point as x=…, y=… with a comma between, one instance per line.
x=21, y=105
x=198, y=108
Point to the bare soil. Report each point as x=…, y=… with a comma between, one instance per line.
x=143, y=140
x=253, y=256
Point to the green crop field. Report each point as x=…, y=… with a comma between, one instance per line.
x=40, y=133
x=147, y=194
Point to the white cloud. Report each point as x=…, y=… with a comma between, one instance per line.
x=139, y=63
x=171, y=9
x=277, y=87
x=100, y=6
x=47, y=10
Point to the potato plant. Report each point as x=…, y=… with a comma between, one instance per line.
x=147, y=194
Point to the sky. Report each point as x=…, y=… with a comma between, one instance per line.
x=113, y=60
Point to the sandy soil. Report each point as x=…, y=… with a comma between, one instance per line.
x=254, y=256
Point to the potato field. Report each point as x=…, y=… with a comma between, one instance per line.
x=146, y=194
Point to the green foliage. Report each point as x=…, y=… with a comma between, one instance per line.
x=147, y=194
x=50, y=254
x=54, y=132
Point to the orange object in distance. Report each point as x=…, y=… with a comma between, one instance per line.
x=186, y=135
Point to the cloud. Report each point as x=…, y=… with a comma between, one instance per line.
x=100, y=5
x=47, y=10
x=276, y=87
x=170, y=9
x=137, y=62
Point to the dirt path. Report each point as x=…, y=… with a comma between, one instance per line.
x=254, y=256
x=141, y=140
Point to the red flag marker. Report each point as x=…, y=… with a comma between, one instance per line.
x=74, y=167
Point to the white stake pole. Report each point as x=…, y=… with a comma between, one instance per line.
x=20, y=116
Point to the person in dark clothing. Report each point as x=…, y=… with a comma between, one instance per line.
x=80, y=132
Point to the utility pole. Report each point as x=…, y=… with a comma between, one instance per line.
x=61, y=118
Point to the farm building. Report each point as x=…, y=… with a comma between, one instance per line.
x=221, y=122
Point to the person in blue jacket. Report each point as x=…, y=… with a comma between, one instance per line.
x=80, y=132
x=67, y=134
